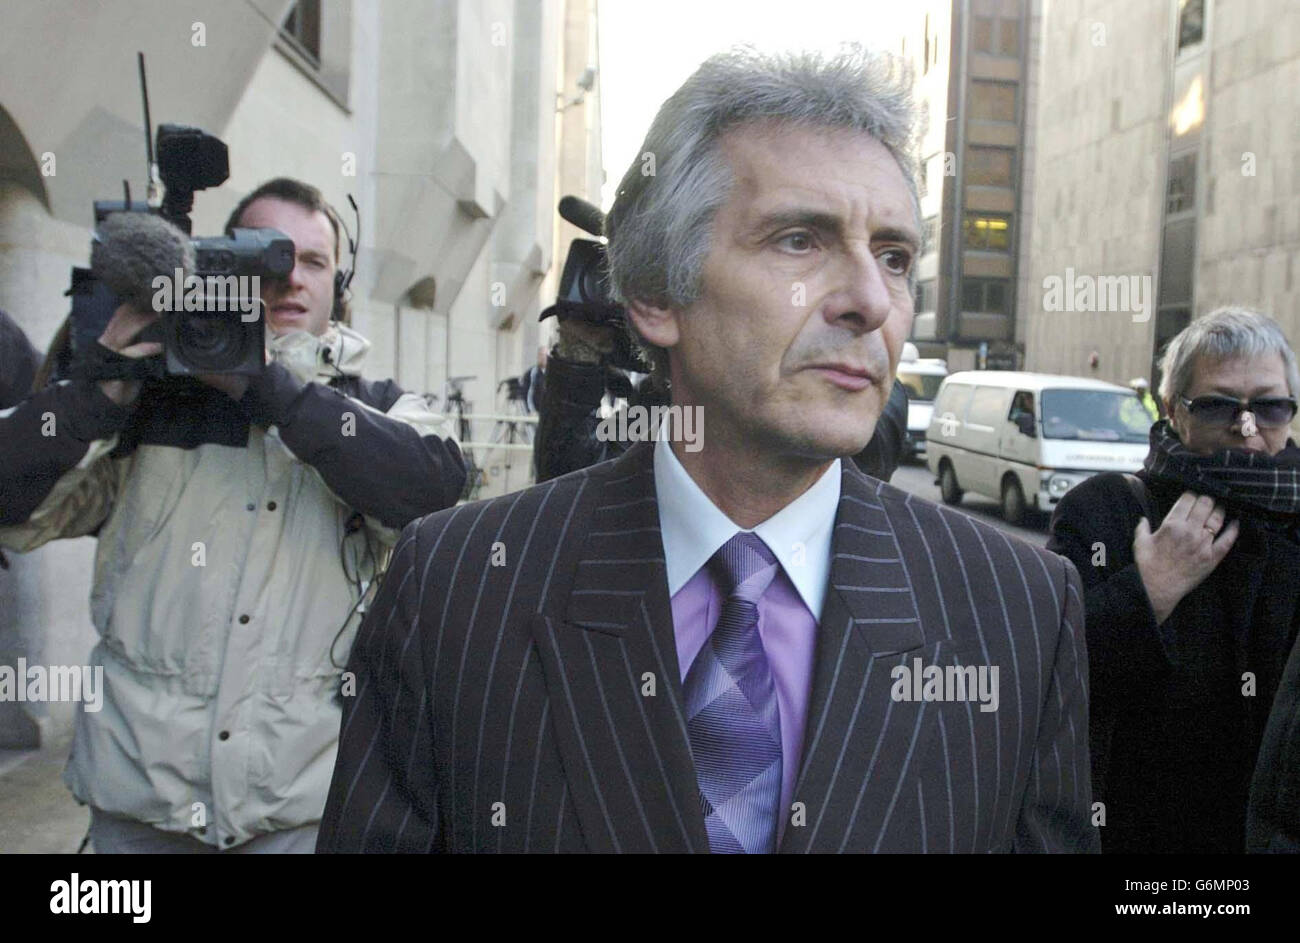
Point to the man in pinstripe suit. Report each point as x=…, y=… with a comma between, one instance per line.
x=749, y=646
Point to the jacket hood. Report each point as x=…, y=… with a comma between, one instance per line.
x=340, y=351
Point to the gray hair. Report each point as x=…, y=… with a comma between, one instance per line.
x=1223, y=334
x=660, y=224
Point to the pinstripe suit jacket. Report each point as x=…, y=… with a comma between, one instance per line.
x=517, y=685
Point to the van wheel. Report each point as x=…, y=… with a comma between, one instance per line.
x=1013, y=501
x=948, y=485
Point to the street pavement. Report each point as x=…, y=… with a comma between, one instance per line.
x=916, y=479
x=37, y=813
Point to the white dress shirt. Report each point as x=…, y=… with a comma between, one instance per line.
x=799, y=535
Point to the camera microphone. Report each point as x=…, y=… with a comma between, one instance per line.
x=586, y=216
x=130, y=250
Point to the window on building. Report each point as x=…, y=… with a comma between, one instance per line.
x=995, y=296
x=1177, y=261
x=989, y=166
x=984, y=295
x=302, y=27
x=1191, y=22
x=1010, y=33
x=989, y=232
x=992, y=101
x=930, y=234
x=925, y=296
x=929, y=48
x=925, y=65
x=996, y=36
x=1180, y=194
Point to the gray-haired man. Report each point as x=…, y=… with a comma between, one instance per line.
x=747, y=646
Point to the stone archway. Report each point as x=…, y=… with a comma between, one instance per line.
x=17, y=162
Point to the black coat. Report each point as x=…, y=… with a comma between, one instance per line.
x=1273, y=817
x=19, y=361
x=1174, y=738
x=504, y=708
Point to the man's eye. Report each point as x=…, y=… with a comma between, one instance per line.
x=897, y=261
x=796, y=241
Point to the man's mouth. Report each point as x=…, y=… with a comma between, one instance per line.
x=287, y=308
x=844, y=375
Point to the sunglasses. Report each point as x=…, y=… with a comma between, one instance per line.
x=1270, y=412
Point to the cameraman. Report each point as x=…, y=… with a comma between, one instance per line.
x=577, y=375
x=241, y=524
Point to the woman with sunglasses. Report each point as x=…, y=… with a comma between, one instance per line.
x=1191, y=571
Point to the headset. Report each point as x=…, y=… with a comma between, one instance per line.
x=343, y=277
x=356, y=522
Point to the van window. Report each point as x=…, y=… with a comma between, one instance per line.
x=986, y=406
x=1095, y=415
x=1022, y=402
x=953, y=399
x=920, y=386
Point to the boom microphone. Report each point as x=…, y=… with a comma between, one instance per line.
x=584, y=215
x=130, y=250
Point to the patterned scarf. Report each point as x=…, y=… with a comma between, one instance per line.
x=1245, y=481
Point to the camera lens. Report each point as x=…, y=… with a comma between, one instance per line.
x=210, y=343
x=590, y=287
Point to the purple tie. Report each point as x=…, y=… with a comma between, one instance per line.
x=732, y=714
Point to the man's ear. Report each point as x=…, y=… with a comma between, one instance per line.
x=1171, y=407
x=657, y=326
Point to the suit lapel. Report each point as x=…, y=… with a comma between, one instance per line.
x=609, y=656
x=860, y=747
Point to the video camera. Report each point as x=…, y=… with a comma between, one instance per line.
x=584, y=285
x=207, y=289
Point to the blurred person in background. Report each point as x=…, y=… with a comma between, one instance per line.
x=1140, y=386
x=579, y=376
x=533, y=381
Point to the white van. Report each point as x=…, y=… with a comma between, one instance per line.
x=921, y=378
x=1028, y=438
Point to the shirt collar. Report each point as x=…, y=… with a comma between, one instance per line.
x=693, y=528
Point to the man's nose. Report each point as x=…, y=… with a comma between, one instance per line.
x=863, y=301
x=296, y=275
x=287, y=284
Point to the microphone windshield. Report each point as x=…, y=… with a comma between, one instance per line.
x=586, y=216
x=131, y=249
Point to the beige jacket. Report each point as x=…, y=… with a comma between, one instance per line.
x=224, y=594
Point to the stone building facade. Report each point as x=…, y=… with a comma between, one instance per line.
x=1169, y=153
x=453, y=123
